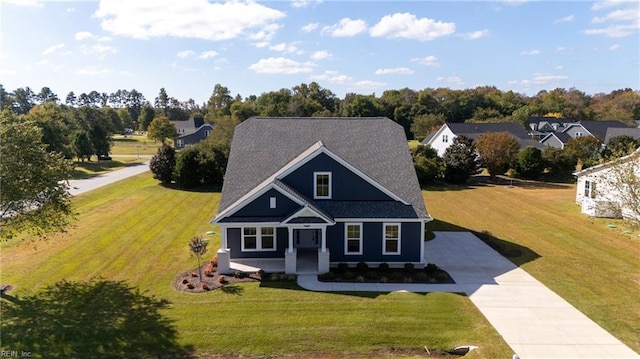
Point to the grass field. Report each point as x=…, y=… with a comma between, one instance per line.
x=538, y=225
x=87, y=169
x=133, y=145
x=137, y=231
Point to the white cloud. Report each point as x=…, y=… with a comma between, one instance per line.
x=310, y=27
x=265, y=34
x=530, y=53
x=615, y=47
x=70, y=9
x=86, y=35
x=599, y=5
x=395, y=71
x=453, y=80
x=562, y=48
x=408, y=26
x=281, y=65
x=346, y=28
x=94, y=71
x=261, y=44
x=474, y=35
x=198, y=19
x=539, y=80
x=304, y=3
x=321, y=55
x=51, y=49
x=614, y=31
x=333, y=77
x=568, y=18
x=98, y=49
x=284, y=47
x=618, y=15
x=427, y=61
x=185, y=53
x=207, y=55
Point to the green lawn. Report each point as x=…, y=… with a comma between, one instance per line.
x=83, y=170
x=137, y=231
x=538, y=225
x=133, y=145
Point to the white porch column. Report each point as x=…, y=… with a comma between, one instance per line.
x=224, y=238
x=323, y=230
x=290, y=250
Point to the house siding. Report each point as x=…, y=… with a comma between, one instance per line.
x=573, y=130
x=437, y=141
x=552, y=141
x=260, y=207
x=345, y=185
x=195, y=137
x=234, y=242
x=410, y=238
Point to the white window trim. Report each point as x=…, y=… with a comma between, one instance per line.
x=384, y=239
x=445, y=138
x=315, y=185
x=180, y=143
x=259, y=240
x=346, y=239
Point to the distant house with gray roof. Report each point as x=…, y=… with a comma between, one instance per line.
x=319, y=192
x=442, y=138
x=191, y=132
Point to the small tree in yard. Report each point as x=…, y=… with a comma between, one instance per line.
x=530, y=164
x=427, y=164
x=461, y=160
x=584, y=150
x=497, y=150
x=198, y=246
x=160, y=129
x=558, y=162
x=163, y=164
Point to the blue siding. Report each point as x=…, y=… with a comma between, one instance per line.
x=372, y=244
x=260, y=207
x=345, y=185
x=195, y=137
x=234, y=241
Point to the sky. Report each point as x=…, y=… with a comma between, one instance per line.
x=365, y=47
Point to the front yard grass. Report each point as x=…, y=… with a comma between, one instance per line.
x=137, y=231
x=134, y=145
x=539, y=227
x=84, y=170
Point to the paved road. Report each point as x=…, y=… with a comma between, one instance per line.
x=77, y=187
x=532, y=319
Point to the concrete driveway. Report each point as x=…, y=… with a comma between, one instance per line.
x=77, y=187
x=532, y=319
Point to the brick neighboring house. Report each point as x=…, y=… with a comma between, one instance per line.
x=191, y=132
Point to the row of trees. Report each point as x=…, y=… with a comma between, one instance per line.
x=500, y=153
x=418, y=111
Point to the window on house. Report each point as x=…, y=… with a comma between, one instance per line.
x=272, y=202
x=445, y=138
x=353, y=238
x=579, y=134
x=589, y=189
x=391, y=243
x=207, y=133
x=179, y=143
x=258, y=239
x=322, y=187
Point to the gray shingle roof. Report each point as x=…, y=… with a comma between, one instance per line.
x=617, y=131
x=599, y=128
x=376, y=146
x=473, y=130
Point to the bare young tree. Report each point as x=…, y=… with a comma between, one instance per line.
x=198, y=246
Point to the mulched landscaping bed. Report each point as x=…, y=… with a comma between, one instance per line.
x=430, y=275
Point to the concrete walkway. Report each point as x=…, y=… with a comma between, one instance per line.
x=77, y=187
x=532, y=319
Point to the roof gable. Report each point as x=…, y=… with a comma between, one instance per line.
x=474, y=130
x=264, y=148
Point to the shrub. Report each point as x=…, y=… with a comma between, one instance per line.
x=371, y=275
x=349, y=275
x=384, y=279
x=238, y=274
x=205, y=286
x=214, y=261
x=460, y=160
x=194, y=274
x=431, y=268
x=290, y=277
x=328, y=276
x=383, y=267
x=209, y=270
x=395, y=276
x=343, y=267
x=163, y=163
x=360, y=279
x=530, y=163
x=222, y=280
x=409, y=267
x=185, y=281
x=362, y=267
x=186, y=172
x=261, y=273
x=420, y=276
x=190, y=286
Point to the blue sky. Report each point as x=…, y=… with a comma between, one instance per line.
x=366, y=47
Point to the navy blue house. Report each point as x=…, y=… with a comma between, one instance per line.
x=342, y=188
x=191, y=132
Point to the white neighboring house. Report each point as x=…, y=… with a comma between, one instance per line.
x=601, y=194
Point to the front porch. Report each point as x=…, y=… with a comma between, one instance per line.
x=299, y=261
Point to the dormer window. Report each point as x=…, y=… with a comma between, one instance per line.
x=322, y=185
